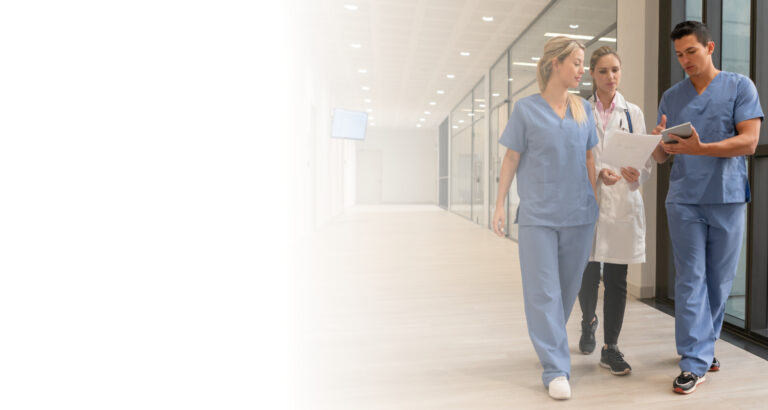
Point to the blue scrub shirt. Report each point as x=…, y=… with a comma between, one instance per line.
x=552, y=179
x=697, y=179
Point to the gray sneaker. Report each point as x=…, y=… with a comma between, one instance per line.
x=612, y=358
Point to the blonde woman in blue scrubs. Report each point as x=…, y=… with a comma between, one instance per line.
x=549, y=139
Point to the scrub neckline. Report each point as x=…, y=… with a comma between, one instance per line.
x=690, y=82
x=552, y=110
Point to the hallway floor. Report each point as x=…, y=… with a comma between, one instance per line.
x=418, y=308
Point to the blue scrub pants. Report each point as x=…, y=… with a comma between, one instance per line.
x=706, y=242
x=552, y=261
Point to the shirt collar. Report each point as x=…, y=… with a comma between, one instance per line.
x=599, y=104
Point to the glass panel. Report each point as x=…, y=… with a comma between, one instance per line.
x=735, y=307
x=735, y=47
x=461, y=167
x=494, y=165
x=693, y=10
x=459, y=116
x=583, y=20
x=498, y=79
x=513, y=199
x=479, y=110
x=735, y=54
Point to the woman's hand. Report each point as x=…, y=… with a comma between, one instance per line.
x=499, y=220
x=609, y=177
x=630, y=174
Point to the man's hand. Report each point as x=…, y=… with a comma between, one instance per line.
x=690, y=146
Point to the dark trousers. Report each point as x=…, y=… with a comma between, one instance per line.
x=614, y=299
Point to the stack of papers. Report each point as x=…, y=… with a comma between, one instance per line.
x=623, y=149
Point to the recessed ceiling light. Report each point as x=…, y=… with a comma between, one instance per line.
x=455, y=126
x=371, y=118
x=535, y=58
x=351, y=7
x=481, y=105
x=440, y=92
x=427, y=112
x=432, y=103
x=365, y=88
x=461, y=121
x=464, y=53
x=355, y=45
x=422, y=119
x=510, y=78
x=471, y=114
x=362, y=71
x=523, y=64
x=573, y=26
x=418, y=125
x=373, y=124
x=367, y=100
x=587, y=83
x=495, y=94
x=451, y=76
x=573, y=91
x=488, y=19
x=369, y=110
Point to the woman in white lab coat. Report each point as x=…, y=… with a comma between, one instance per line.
x=620, y=229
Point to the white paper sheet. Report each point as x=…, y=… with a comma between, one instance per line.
x=623, y=149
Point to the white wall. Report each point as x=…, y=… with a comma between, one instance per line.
x=408, y=165
x=638, y=46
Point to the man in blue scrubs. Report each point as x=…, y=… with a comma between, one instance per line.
x=708, y=192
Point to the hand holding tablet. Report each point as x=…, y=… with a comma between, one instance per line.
x=683, y=131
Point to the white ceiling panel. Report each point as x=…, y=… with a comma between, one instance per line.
x=408, y=47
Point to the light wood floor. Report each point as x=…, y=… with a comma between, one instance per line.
x=417, y=308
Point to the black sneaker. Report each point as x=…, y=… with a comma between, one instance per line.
x=612, y=358
x=686, y=383
x=587, y=341
x=715, y=366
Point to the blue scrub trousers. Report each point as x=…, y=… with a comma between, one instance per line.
x=706, y=242
x=552, y=261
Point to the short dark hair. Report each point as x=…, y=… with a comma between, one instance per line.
x=691, y=27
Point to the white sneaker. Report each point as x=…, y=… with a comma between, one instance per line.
x=559, y=388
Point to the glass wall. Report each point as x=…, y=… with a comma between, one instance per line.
x=735, y=58
x=461, y=158
x=478, y=116
x=499, y=114
x=693, y=10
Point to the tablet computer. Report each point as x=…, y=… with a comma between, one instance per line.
x=683, y=131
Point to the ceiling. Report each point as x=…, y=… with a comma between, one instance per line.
x=408, y=47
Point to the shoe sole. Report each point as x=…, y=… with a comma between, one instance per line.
x=613, y=372
x=714, y=369
x=698, y=382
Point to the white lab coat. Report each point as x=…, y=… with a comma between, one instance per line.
x=620, y=228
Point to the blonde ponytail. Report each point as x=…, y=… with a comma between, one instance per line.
x=577, y=108
x=559, y=48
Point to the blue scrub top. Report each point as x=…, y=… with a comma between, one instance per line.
x=697, y=179
x=552, y=178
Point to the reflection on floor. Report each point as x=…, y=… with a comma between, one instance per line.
x=418, y=308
